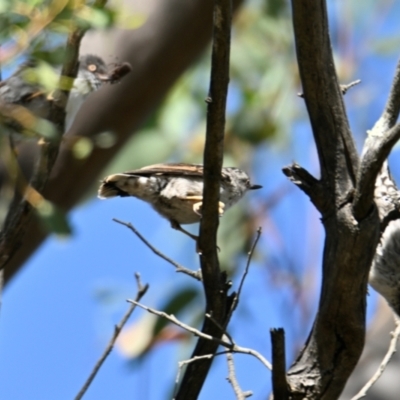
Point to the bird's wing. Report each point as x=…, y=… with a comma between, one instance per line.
x=16, y=90
x=173, y=169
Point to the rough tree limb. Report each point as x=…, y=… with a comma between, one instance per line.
x=279, y=383
x=392, y=108
x=336, y=340
x=376, y=153
x=214, y=281
x=381, y=139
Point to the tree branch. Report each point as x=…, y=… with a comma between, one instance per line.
x=279, y=383
x=225, y=341
x=391, y=350
x=372, y=161
x=236, y=297
x=308, y=184
x=336, y=150
x=214, y=281
x=392, y=108
x=380, y=141
x=337, y=337
x=240, y=395
x=178, y=267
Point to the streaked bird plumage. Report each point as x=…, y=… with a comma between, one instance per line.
x=175, y=190
x=384, y=275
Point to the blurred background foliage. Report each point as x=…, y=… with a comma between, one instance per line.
x=38, y=29
x=266, y=128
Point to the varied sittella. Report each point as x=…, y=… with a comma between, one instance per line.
x=384, y=275
x=176, y=190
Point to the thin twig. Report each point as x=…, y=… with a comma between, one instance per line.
x=343, y=87
x=240, y=395
x=254, y=353
x=279, y=382
x=236, y=298
x=391, y=350
x=209, y=316
x=188, y=328
x=231, y=346
x=179, y=268
x=140, y=293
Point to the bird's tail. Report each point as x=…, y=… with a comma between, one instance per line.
x=111, y=187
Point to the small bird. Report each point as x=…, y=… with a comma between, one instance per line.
x=92, y=73
x=384, y=275
x=176, y=190
x=19, y=89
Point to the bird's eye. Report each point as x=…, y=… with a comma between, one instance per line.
x=92, y=67
x=247, y=182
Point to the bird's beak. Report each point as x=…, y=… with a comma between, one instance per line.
x=254, y=187
x=116, y=74
x=104, y=77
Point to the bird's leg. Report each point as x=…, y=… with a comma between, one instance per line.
x=198, y=202
x=221, y=208
x=197, y=206
x=175, y=225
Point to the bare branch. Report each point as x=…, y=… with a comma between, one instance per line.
x=240, y=395
x=140, y=293
x=338, y=332
x=231, y=346
x=344, y=88
x=256, y=354
x=178, y=267
x=221, y=328
x=215, y=286
x=336, y=149
x=308, y=184
x=392, y=108
x=188, y=328
x=279, y=382
x=215, y=131
x=372, y=161
x=236, y=297
x=391, y=350
x=380, y=141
